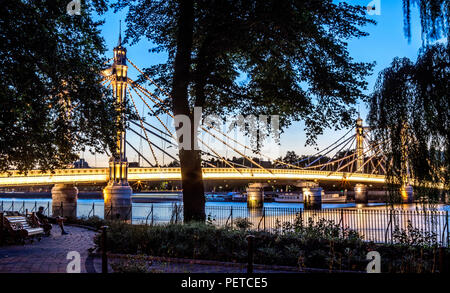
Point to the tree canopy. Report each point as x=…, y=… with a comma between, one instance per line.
x=410, y=113
x=286, y=58
x=434, y=18
x=262, y=57
x=52, y=104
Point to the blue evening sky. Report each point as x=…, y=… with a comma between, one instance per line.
x=385, y=41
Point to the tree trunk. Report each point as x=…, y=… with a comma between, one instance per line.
x=190, y=160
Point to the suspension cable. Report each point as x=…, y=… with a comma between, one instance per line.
x=151, y=165
x=142, y=125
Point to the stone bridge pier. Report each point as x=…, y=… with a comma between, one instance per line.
x=361, y=195
x=407, y=193
x=312, y=195
x=64, y=200
x=255, y=195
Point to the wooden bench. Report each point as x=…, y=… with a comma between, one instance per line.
x=21, y=228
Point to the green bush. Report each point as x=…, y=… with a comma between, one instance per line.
x=94, y=222
x=314, y=245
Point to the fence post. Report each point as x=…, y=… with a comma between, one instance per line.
x=251, y=244
x=1, y=227
x=93, y=209
x=387, y=227
x=446, y=223
x=48, y=209
x=152, y=215
x=264, y=216
x=231, y=216
x=342, y=221
x=104, y=249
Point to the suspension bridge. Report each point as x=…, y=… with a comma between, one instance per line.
x=355, y=157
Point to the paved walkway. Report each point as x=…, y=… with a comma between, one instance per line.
x=50, y=254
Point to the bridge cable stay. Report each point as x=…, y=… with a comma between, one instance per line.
x=366, y=144
x=237, y=151
x=155, y=145
x=224, y=160
x=343, y=147
x=157, y=129
x=163, y=102
x=326, y=164
x=151, y=165
x=153, y=112
x=367, y=161
x=323, y=155
x=167, y=128
x=319, y=152
x=251, y=160
x=107, y=61
x=351, y=162
x=372, y=163
x=148, y=94
x=254, y=151
x=225, y=143
x=378, y=165
x=162, y=123
x=105, y=81
x=218, y=157
x=154, y=133
x=350, y=148
x=383, y=156
x=146, y=76
x=140, y=120
x=339, y=160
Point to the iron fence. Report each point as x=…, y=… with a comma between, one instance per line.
x=378, y=225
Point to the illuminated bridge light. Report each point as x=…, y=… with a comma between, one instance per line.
x=100, y=175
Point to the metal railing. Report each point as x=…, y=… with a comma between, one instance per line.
x=383, y=225
x=378, y=225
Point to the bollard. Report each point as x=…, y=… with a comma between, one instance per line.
x=251, y=244
x=104, y=249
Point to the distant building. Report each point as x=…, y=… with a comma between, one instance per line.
x=81, y=163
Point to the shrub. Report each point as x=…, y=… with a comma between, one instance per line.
x=243, y=223
x=321, y=244
x=94, y=222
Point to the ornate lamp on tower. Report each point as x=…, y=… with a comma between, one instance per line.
x=117, y=194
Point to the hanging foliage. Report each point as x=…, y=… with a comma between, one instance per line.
x=410, y=114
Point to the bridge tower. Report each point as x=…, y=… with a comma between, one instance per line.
x=359, y=145
x=117, y=193
x=360, y=189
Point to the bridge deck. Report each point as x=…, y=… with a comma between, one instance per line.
x=100, y=175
